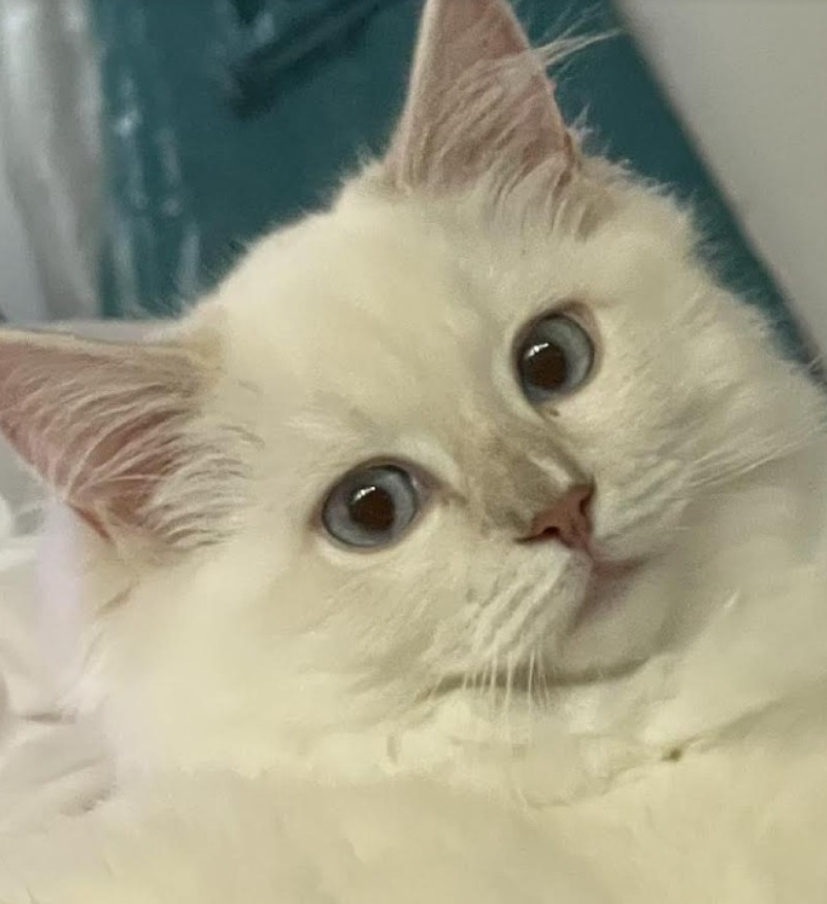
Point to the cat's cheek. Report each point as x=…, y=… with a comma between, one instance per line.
x=637, y=513
x=643, y=538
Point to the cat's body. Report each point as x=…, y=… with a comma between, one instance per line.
x=469, y=530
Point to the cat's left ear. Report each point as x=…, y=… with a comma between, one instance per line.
x=479, y=101
x=111, y=429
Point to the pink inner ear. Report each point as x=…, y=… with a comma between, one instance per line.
x=477, y=97
x=99, y=423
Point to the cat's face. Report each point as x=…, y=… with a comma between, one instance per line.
x=417, y=441
x=382, y=349
x=379, y=346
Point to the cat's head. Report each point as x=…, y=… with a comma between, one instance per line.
x=412, y=441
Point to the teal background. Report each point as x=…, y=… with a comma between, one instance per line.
x=203, y=154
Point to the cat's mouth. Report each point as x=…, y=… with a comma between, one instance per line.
x=604, y=587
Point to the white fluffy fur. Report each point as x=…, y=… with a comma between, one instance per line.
x=293, y=722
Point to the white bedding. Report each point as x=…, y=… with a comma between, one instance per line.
x=49, y=763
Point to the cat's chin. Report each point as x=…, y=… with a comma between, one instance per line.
x=614, y=628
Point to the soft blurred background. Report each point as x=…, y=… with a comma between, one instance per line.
x=143, y=143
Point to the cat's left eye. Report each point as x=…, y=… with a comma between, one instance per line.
x=554, y=357
x=372, y=507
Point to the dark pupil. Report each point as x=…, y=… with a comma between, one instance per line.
x=545, y=366
x=372, y=508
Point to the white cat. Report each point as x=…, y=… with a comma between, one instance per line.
x=467, y=544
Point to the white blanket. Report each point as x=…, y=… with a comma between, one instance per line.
x=49, y=763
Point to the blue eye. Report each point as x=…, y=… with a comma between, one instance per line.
x=371, y=508
x=555, y=357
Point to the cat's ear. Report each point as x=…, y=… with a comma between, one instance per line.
x=109, y=427
x=479, y=100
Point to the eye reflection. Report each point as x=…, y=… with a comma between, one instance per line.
x=371, y=507
x=555, y=358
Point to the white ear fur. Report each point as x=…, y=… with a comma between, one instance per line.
x=109, y=427
x=478, y=99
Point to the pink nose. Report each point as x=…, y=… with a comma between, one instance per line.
x=568, y=521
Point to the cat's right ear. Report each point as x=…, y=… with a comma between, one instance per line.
x=113, y=430
x=479, y=102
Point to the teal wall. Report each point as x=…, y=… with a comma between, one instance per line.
x=215, y=130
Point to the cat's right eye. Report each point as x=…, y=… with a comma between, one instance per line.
x=372, y=507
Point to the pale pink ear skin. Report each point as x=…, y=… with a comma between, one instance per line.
x=438, y=146
x=97, y=422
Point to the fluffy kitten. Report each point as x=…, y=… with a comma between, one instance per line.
x=471, y=495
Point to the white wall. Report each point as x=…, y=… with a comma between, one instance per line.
x=749, y=78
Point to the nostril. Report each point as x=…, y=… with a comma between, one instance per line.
x=568, y=521
x=585, y=505
x=582, y=496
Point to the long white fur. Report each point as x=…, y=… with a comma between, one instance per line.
x=293, y=722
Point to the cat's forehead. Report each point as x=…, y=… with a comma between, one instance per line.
x=382, y=306
x=368, y=275
x=347, y=300
x=376, y=264
x=362, y=336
